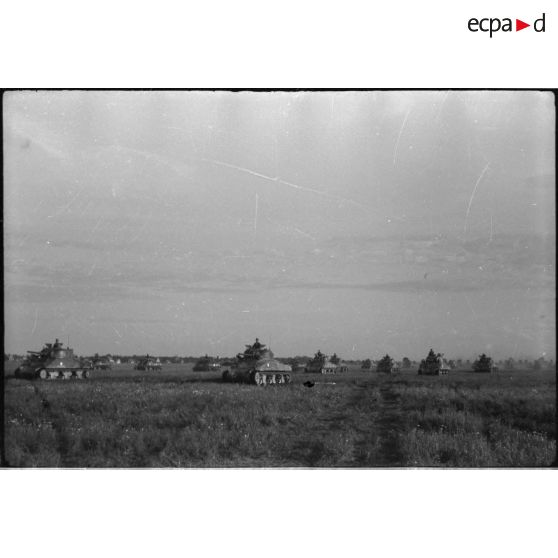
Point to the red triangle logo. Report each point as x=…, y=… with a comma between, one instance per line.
x=519, y=25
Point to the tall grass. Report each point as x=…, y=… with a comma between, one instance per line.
x=181, y=419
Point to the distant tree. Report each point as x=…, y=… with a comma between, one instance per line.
x=366, y=364
x=539, y=363
x=335, y=359
x=405, y=363
x=451, y=364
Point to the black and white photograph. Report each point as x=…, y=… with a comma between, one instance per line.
x=279, y=278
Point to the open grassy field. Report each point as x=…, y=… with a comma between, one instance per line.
x=180, y=418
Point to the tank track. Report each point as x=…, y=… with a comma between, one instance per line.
x=257, y=378
x=46, y=374
x=268, y=378
x=432, y=371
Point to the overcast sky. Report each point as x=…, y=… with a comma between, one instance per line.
x=352, y=222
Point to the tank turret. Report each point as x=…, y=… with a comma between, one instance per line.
x=256, y=365
x=53, y=362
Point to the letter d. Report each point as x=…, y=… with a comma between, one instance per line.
x=541, y=30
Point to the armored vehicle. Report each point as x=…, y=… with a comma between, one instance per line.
x=149, y=363
x=256, y=365
x=483, y=364
x=53, y=362
x=386, y=365
x=101, y=364
x=433, y=365
x=206, y=364
x=320, y=364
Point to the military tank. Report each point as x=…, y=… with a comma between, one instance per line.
x=386, y=365
x=101, y=364
x=483, y=364
x=53, y=362
x=257, y=366
x=321, y=364
x=149, y=363
x=206, y=364
x=433, y=365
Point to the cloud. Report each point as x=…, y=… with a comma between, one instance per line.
x=95, y=291
x=425, y=285
x=424, y=265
